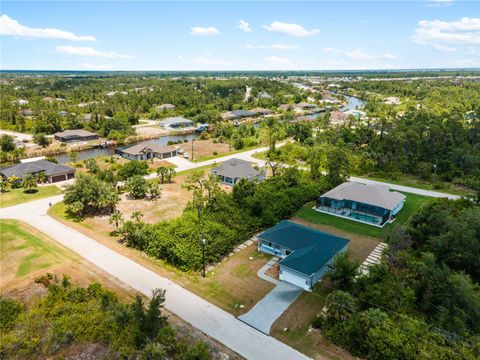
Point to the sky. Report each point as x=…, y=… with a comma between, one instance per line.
x=239, y=35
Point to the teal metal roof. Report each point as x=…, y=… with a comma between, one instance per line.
x=311, y=249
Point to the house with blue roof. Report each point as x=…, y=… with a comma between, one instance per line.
x=305, y=252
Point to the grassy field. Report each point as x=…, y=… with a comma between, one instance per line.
x=18, y=196
x=412, y=204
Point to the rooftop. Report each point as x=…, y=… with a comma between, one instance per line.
x=35, y=167
x=175, y=120
x=76, y=133
x=311, y=248
x=376, y=195
x=236, y=168
x=146, y=148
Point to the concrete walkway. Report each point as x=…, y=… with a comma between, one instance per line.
x=206, y=317
x=273, y=305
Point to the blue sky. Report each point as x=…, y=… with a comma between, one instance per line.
x=231, y=35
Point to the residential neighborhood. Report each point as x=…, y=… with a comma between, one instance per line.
x=263, y=185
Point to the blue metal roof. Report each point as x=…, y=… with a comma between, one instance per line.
x=311, y=249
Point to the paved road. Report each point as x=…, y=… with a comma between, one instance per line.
x=208, y=318
x=19, y=136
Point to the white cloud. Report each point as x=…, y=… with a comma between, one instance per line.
x=243, y=25
x=90, y=52
x=358, y=54
x=204, y=31
x=11, y=27
x=290, y=29
x=272, y=46
x=443, y=35
x=437, y=3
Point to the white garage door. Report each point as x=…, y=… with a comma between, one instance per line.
x=294, y=278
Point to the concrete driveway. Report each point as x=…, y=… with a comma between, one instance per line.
x=272, y=306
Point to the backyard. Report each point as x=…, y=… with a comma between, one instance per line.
x=412, y=204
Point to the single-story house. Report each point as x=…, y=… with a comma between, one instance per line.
x=262, y=111
x=177, y=122
x=305, y=106
x=165, y=107
x=54, y=172
x=370, y=204
x=75, y=135
x=392, y=100
x=338, y=118
x=146, y=151
x=305, y=252
x=238, y=114
x=230, y=171
x=264, y=95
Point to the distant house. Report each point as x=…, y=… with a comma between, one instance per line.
x=238, y=114
x=175, y=123
x=75, y=135
x=305, y=106
x=370, y=204
x=230, y=171
x=357, y=113
x=286, y=106
x=264, y=95
x=262, y=111
x=338, y=118
x=147, y=151
x=392, y=100
x=21, y=102
x=54, y=172
x=305, y=252
x=165, y=107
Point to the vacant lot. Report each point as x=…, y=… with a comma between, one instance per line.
x=26, y=253
x=18, y=196
x=412, y=204
x=205, y=149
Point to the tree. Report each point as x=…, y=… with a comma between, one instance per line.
x=90, y=195
x=275, y=167
x=204, y=189
x=73, y=156
x=317, y=158
x=136, y=215
x=340, y=306
x=116, y=219
x=342, y=271
x=162, y=172
x=338, y=166
x=7, y=143
x=171, y=174
x=5, y=185
x=137, y=186
x=29, y=183
x=14, y=181
x=133, y=168
x=41, y=139
x=91, y=165
x=153, y=190
x=42, y=177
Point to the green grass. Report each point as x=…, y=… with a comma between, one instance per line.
x=18, y=196
x=442, y=187
x=210, y=157
x=24, y=250
x=412, y=204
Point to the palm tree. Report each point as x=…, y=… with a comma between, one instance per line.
x=29, y=182
x=116, y=219
x=73, y=156
x=171, y=173
x=136, y=215
x=42, y=177
x=13, y=180
x=162, y=172
x=4, y=186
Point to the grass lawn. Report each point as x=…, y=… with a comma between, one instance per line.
x=27, y=253
x=18, y=196
x=412, y=204
x=442, y=187
x=232, y=285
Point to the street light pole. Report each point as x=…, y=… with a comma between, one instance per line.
x=192, y=147
x=203, y=256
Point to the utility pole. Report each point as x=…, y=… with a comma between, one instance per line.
x=192, y=147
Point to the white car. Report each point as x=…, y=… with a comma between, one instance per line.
x=186, y=155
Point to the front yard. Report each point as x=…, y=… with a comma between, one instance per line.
x=18, y=196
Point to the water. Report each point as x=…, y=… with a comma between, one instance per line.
x=87, y=154
x=352, y=103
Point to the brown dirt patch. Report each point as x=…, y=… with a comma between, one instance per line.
x=150, y=131
x=273, y=271
x=205, y=148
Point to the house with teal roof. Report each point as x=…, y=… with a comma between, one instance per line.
x=304, y=253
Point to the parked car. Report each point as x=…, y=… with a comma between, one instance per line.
x=186, y=155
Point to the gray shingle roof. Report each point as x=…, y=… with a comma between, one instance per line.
x=236, y=168
x=35, y=167
x=377, y=195
x=75, y=133
x=148, y=147
x=311, y=249
x=177, y=120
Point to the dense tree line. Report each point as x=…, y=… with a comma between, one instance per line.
x=223, y=219
x=69, y=317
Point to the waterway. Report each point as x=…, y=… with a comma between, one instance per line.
x=353, y=103
x=87, y=154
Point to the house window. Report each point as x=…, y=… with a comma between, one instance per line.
x=287, y=252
